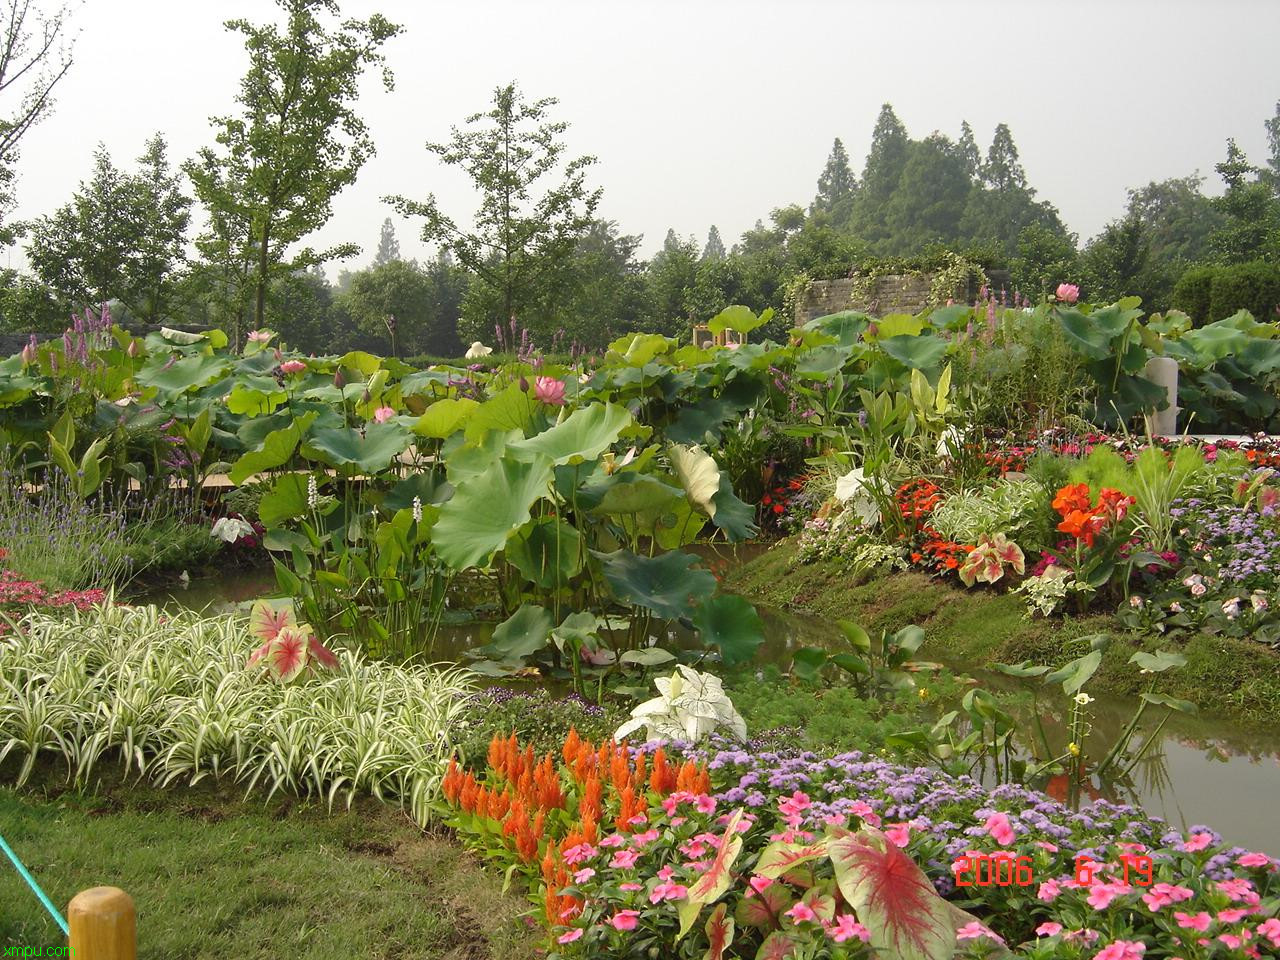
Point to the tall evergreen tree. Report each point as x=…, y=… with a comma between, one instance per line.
x=836, y=183
x=1273, y=142
x=967, y=148
x=1114, y=264
x=714, y=249
x=1250, y=209
x=930, y=198
x=1002, y=171
x=388, y=245
x=881, y=174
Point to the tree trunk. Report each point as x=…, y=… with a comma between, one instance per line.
x=260, y=306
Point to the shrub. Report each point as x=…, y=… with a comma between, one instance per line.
x=1207, y=294
x=535, y=716
x=1192, y=293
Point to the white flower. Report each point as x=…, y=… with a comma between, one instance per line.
x=1175, y=607
x=1135, y=601
x=313, y=495
x=1258, y=600
x=1083, y=698
x=478, y=350
x=1231, y=608
x=230, y=529
x=691, y=707
x=417, y=509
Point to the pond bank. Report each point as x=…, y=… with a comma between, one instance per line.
x=1232, y=679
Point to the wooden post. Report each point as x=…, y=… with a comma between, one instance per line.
x=103, y=925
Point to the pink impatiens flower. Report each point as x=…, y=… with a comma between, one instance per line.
x=1193, y=921
x=973, y=930
x=801, y=913
x=1049, y=890
x=1197, y=842
x=899, y=834
x=1048, y=929
x=845, y=928
x=999, y=828
x=572, y=935
x=624, y=920
x=1101, y=894
x=668, y=891
x=549, y=390
x=1122, y=950
x=1270, y=928
x=583, y=875
x=624, y=859
x=1253, y=860
x=630, y=886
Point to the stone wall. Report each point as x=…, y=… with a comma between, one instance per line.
x=892, y=293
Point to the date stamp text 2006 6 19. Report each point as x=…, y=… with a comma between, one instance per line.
x=1006, y=871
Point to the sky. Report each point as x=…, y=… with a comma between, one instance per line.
x=706, y=112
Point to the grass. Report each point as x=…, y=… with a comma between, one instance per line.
x=1234, y=679
x=213, y=877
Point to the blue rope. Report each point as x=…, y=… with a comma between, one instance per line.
x=35, y=887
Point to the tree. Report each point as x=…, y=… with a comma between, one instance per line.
x=1251, y=230
x=1002, y=171
x=714, y=250
x=607, y=293
x=836, y=185
x=391, y=302
x=526, y=229
x=295, y=145
x=880, y=175
x=122, y=236
x=929, y=201
x=967, y=148
x=1177, y=219
x=669, y=278
x=388, y=245
x=1114, y=263
x=35, y=56
x=1273, y=142
x=1044, y=259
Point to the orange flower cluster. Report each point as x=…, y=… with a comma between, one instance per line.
x=917, y=498
x=1083, y=519
x=533, y=799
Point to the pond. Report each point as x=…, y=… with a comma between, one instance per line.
x=1198, y=770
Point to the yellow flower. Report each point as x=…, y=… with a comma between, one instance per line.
x=1073, y=749
x=923, y=693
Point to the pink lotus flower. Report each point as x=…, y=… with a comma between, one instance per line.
x=1048, y=929
x=549, y=390
x=383, y=414
x=29, y=354
x=293, y=366
x=260, y=336
x=624, y=920
x=998, y=826
x=1068, y=292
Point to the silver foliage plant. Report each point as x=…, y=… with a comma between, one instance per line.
x=691, y=707
x=169, y=696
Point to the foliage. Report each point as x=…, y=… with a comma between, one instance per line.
x=691, y=707
x=170, y=696
x=1212, y=293
x=537, y=717
x=522, y=241
x=298, y=142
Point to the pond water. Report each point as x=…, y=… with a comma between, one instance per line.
x=1198, y=771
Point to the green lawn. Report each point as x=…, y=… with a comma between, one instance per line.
x=1235, y=679
x=213, y=877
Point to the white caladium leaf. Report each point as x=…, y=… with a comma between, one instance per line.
x=693, y=705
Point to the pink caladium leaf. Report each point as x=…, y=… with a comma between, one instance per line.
x=776, y=946
x=259, y=653
x=287, y=654
x=780, y=857
x=719, y=931
x=1010, y=553
x=266, y=619
x=716, y=879
x=318, y=652
x=820, y=902
x=764, y=910
x=892, y=897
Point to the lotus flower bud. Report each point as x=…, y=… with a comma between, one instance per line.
x=366, y=397
x=524, y=385
x=29, y=354
x=339, y=380
x=132, y=350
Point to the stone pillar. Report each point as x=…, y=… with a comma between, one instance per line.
x=1163, y=371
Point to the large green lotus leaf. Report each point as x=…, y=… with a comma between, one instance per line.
x=918, y=353
x=522, y=634
x=512, y=409
x=669, y=585
x=275, y=450
x=547, y=552
x=1259, y=357
x=467, y=460
x=898, y=325
x=698, y=474
x=672, y=526
x=732, y=625
x=366, y=363
x=582, y=436
x=739, y=319
x=486, y=509
x=286, y=500
x=821, y=363
x=735, y=518
x=422, y=382
x=696, y=420
x=953, y=317
x=636, y=350
x=427, y=486
x=846, y=326
x=369, y=450
x=256, y=396
x=1216, y=341
x=627, y=493
x=444, y=417
x=183, y=374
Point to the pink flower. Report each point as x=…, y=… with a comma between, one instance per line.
x=630, y=887
x=260, y=336
x=1253, y=860
x=614, y=840
x=899, y=834
x=1270, y=928
x=1238, y=888
x=845, y=927
x=644, y=839
x=639, y=820
x=1101, y=894
x=1197, y=841
x=293, y=366
x=1197, y=921
x=668, y=891
x=1068, y=292
x=583, y=875
x=1122, y=950
x=973, y=930
x=759, y=884
x=572, y=935
x=624, y=920
x=1163, y=894
x=1048, y=929
x=1049, y=890
x=998, y=826
x=1230, y=939
x=801, y=913
x=705, y=804
x=383, y=414
x=1234, y=915
x=549, y=390
x=576, y=854
x=624, y=859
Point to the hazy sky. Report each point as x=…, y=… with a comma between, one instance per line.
x=705, y=111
